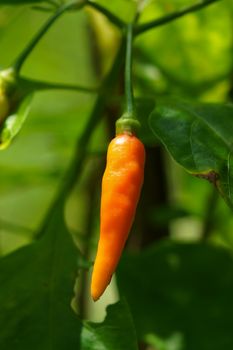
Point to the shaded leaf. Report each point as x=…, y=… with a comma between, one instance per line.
x=36, y=290
x=117, y=332
x=180, y=293
x=200, y=138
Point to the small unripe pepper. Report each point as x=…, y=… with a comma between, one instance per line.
x=121, y=187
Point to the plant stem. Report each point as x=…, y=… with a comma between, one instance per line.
x=111, y=17
x=17, y=65
x=75, y=169
x=128, y=122
x=35, y=85
x=128, y=71
x=171, y=17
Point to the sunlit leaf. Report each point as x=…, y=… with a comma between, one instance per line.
x=193, y=59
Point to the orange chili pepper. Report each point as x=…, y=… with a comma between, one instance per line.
x=121, y=187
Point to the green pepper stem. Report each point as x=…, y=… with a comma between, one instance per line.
x=17, y=65
x=171, y=17
x=128, y=71
x=128, y=122
x=35, y=85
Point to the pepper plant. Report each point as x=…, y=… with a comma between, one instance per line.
x=74, y=73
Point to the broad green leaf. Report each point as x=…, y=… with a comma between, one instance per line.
x=36, y=290
x=14, y=123
x=180, y=294
x=117, y=332
x=199, y=137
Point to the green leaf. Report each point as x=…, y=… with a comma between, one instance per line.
x=14, y=123
x=182, y=294
x=36, y=290
x=199, y=137
x=117, y=332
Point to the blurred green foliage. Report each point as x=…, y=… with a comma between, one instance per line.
x=56, y=118
x=187, y=295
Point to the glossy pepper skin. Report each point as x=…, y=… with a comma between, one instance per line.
x=121, y=187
